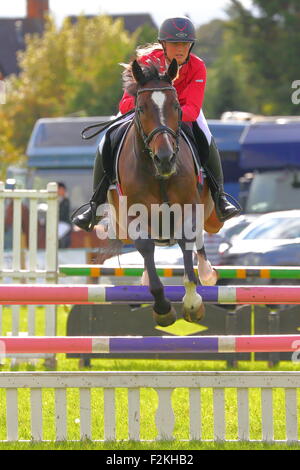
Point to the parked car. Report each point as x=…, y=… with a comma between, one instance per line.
x=169, y=255
x=165, y=256
x=271, y=240
x=226, y=235
x=172, y=255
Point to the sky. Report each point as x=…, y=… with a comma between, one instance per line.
x=200, y=11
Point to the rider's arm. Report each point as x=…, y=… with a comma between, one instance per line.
x=127, y=103
x=191, y=97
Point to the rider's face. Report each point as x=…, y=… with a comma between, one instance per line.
x=178, y=51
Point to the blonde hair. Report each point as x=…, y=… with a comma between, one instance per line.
x=147, y=49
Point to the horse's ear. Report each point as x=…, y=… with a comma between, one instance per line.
x=173, y=69
x=138, y=73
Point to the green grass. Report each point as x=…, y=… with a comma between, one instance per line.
x=149, y=401
x=157, y=446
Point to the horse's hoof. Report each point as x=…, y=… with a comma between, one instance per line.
x=194, y=315
x=166, y=319
x=211, y=280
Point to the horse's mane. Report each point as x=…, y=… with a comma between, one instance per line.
x=151, y=72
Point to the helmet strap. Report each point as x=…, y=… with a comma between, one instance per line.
x=188, y=57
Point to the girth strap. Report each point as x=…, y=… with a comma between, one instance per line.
x=163, y=191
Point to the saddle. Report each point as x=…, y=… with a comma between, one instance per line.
x=112, y=147
x=115, y=138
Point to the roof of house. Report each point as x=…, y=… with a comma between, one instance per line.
x=135, y=20
x=131, y=21
x=12, y=32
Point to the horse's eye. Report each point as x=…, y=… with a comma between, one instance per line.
x=140, y=109
x=176, y=106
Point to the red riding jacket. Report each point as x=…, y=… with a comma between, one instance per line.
x=189, y=84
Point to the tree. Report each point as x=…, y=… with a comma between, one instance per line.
x=268, y=40
x=253, y=59
x=146, y=34
x=210, y=37
x=225, y=89
x=9, y=153
x=74, y=69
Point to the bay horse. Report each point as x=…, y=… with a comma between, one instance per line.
x=155, y=167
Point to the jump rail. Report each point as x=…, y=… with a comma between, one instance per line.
x=149, y=344
x=98, y=425
x=93, y=294
x=224, y=272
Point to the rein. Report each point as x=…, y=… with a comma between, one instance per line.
x=160, y=129
x=102, y=126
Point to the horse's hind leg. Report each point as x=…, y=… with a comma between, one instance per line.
x=193, y=307
x=163, y=312
x=207, y=274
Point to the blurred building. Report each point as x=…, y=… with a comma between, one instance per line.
x=131, y=21
x=13, y=31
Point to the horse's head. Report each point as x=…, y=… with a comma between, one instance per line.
x=158, y=115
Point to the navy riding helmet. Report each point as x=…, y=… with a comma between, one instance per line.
x=179, y=29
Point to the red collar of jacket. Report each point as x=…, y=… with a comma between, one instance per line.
x=158, y=56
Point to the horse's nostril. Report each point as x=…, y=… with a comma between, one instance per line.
x=156, y=159
x=173, y=158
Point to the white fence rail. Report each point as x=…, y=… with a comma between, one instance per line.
x=19, y=243
x=94, y=413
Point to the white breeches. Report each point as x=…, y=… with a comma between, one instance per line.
x=202, y=123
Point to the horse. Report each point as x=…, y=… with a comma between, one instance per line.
x=156, y=167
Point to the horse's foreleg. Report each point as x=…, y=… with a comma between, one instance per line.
x=207, y=274
x=193, y=307
x=163, y=312
x=145, y=277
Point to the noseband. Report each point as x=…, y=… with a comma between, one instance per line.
x=160, y=129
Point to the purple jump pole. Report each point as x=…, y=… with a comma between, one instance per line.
x=27, y=294
x=149, y=344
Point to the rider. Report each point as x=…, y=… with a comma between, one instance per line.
x=176, y=39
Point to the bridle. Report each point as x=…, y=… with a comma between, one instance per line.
x=160, y=129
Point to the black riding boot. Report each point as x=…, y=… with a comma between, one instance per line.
x=213, y=167
x=87, y=219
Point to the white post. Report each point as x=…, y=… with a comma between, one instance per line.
x=51, y=253
x=164, y=418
